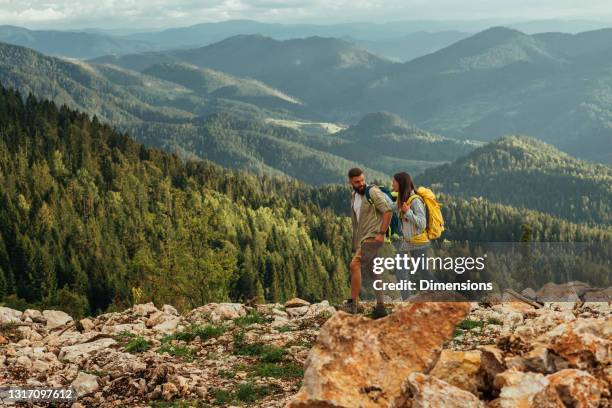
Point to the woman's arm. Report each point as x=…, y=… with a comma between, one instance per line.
x=416, y=214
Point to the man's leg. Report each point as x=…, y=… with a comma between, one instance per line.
x=355, y=268
x=369, y=251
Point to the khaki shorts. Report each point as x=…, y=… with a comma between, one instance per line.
x=365, y=254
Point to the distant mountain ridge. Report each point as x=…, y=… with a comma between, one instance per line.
x=69, y=43
x=524, y=172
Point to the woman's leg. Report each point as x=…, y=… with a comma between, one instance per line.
x=422, y=272
x=402, y=274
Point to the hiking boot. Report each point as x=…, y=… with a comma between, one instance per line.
x=379, y=311
x=351, y=307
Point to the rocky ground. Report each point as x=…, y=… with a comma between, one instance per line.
x=509, y=354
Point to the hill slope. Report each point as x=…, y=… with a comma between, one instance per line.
x=524, y=172
x=312, y=69
x=87, y=215
x=384, y=142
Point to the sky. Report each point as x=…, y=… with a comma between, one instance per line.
x=148, y=14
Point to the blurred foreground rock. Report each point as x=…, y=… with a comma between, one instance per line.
x=508, y=354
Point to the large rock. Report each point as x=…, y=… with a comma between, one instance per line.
x=8, y=315
x=359, y=362
x=56, y=318
x=582, y=343
x=571, y=388
x=460, y=369
x=423, y=391
x=76, y=352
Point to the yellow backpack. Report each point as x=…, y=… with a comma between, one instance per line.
x=435, y=221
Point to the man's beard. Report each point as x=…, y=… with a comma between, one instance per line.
x=360, y=190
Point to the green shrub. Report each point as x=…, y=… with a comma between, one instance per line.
x=137, y=345
x=251, y=318
x=288, y=370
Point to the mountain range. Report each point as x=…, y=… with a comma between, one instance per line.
x=555, y=87
x=206, y=113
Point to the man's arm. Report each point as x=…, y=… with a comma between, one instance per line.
x=382, y=205
x=384, y=225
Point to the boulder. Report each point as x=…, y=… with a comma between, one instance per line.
x=571, y=388
x=85, y=384
x=582, y=343
x=517, y=388
x=360, y=362
x=296, y=302
x=460, y=369
x=8, y=315
x=56, y=318
x=423, y=391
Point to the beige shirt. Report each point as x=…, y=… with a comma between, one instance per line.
x=367, y=223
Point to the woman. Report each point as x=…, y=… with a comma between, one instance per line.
x=412, y=213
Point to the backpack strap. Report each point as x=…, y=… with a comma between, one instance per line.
x=412, y=198
x=367, y=193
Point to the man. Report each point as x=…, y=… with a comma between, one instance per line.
x=370, y=219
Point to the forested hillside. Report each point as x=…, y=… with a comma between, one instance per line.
x=89, y=219
x=383, y=141
x=524, y=172
x=92, y=220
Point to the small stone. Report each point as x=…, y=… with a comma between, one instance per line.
x=296, y=302
x=34, y=315
x=429, y=392
x=87, y=324
x=24, y=361
x=85, y=384
x=169, y=391
x=170, y=310
x=297, y=311
x=144, y=309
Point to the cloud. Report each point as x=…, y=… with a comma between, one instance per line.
x=167, y=13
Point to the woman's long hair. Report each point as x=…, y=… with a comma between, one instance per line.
x=406, y=187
